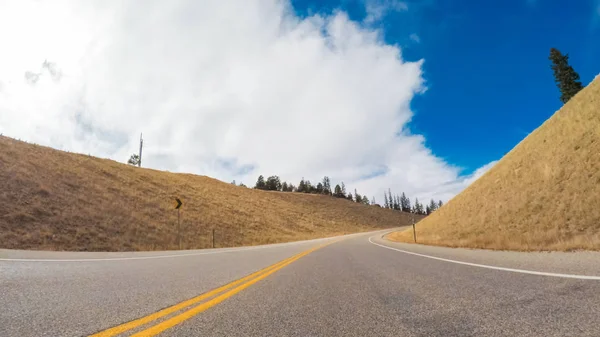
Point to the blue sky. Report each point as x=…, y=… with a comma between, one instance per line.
x=326, y=83
x=488, y=76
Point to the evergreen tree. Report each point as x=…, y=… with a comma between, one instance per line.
x=373, y=200
x=308, y=187
x=301, y=186
x=357, y=197
x=319, y=188
x=397, y=203
x=567, y=80
x=260, y=183
x=326, y=185
x=408, y=207
x=390, y=198
x=427, y=210
x=292, y=188
x=432, y=206
x=273, y=183
x=404, y=203
x=440, y=204
x=349, y=197
x=418, y=207
x=365, y=200
x=242, y=185
x=386, y=203
x=338, y=192
x=343, y=188
x=233, y=182
x=284, y=187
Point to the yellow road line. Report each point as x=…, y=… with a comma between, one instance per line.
x=147, y=319
x=171, y=322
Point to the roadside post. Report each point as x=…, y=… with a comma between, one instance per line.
x=178, y=208
x=213, y=238
x=414, y=229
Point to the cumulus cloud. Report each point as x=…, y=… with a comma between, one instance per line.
x=229, y=89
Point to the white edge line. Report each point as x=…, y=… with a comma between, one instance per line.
x=133, y=257
x=220, y=251
x=522, y=271
x=148, y=257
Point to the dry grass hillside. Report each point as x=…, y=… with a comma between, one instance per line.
x=56, y=200
x=543, y=195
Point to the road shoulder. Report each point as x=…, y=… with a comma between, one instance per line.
x=571, y=263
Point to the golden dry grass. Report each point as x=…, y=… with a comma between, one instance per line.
x=543, y=195
x=55, y=200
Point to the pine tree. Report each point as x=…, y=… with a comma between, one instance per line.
x=284, y=187
x=357, y=197
x=567, y=80
x=440, y=204
x=338, y=192
x=365, y=200
x=260, y=183
x=302, y=186
x=319, y=189
x=343, y=188
x=404, y=203
x=427, y=210
x=408, y=207
x=326, y=185
x=273, y=183
x=386, y=203
x=397, y=203
x=373, y=200
x=308, y=187
x=390, y=198
x=349, y=197
x=432, y=206
x=418, y=207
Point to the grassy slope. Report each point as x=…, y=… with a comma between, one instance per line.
x=543, y=195
x=51, y=199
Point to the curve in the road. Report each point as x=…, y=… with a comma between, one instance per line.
x=522, y=271
x=174, y=255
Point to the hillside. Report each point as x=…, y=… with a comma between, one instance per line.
x=543, y=195
x=56, y=200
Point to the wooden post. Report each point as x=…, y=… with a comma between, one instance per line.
x=213, y=238
x=414, y=229
x=178, y=229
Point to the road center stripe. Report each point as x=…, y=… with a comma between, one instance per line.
x=164, y=312
x=171, y=322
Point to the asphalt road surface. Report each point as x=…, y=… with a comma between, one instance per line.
x=359, y=285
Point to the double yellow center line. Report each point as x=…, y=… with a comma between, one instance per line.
x=223, y=293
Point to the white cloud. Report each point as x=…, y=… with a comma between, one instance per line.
x=378, y=9
x=229, y=89
x=415, y=38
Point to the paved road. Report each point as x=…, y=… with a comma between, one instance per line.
x=359, y=285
